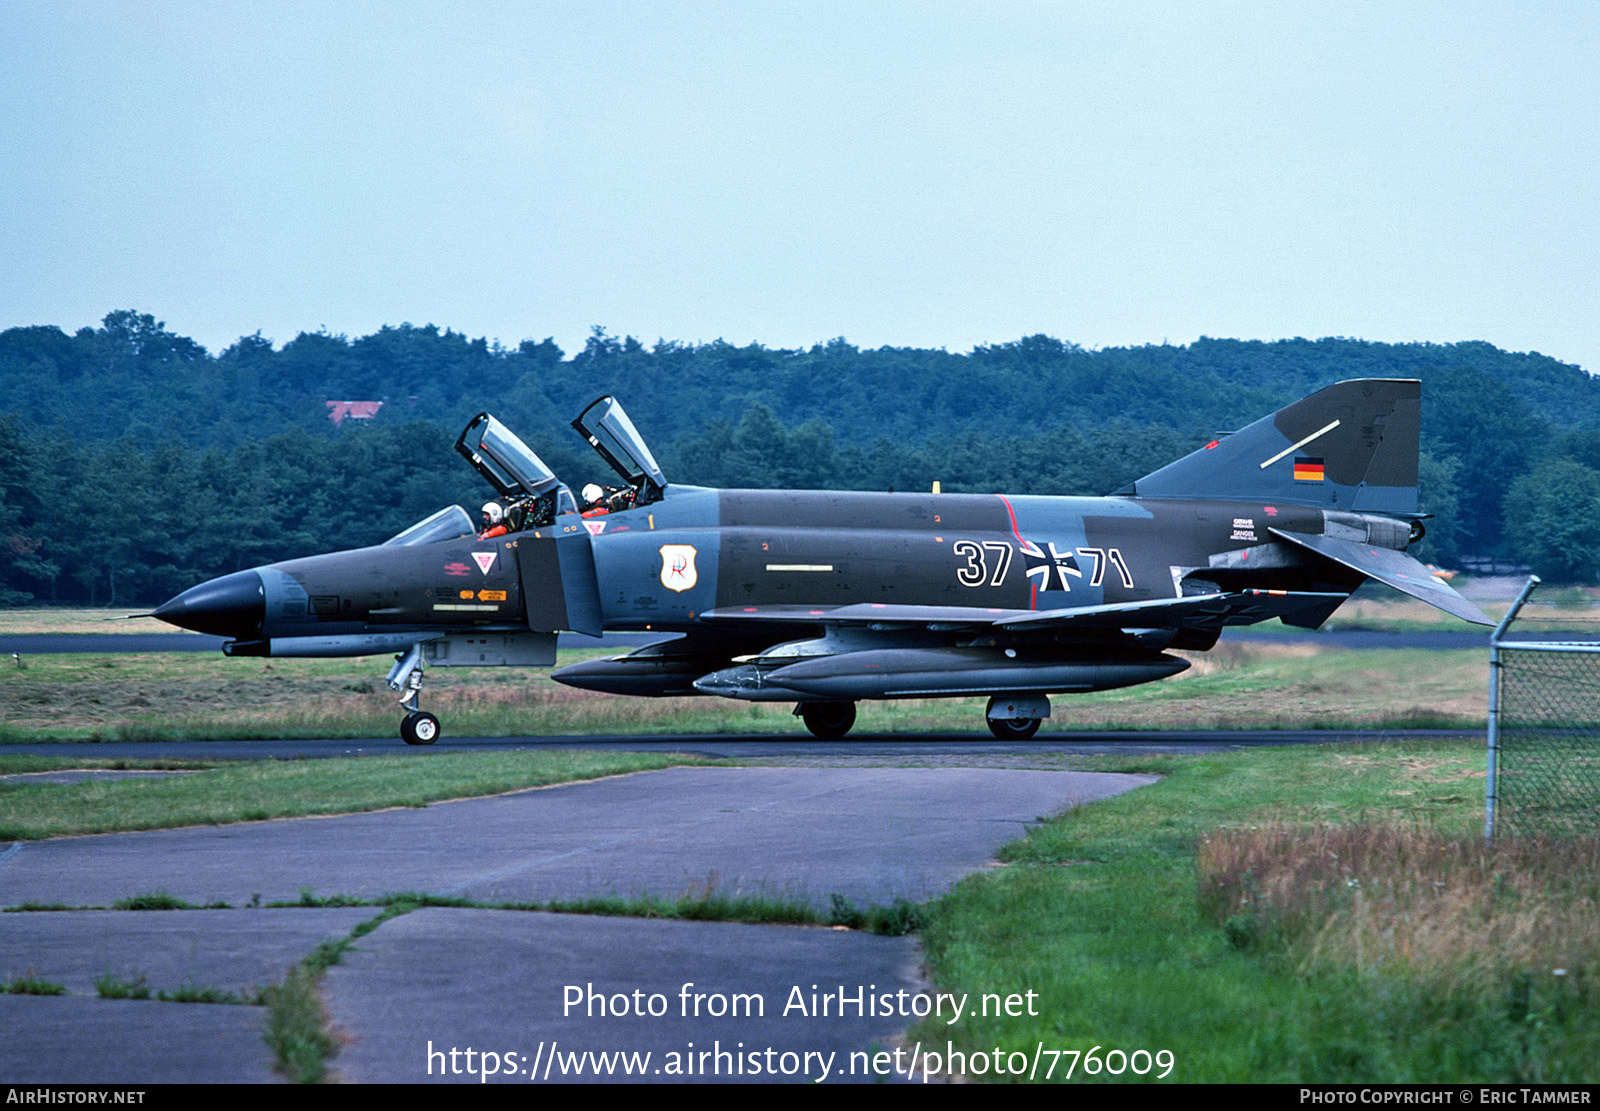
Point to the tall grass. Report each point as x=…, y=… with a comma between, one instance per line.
x=1096, y=911
x=1377, y=895
x=1500, y=942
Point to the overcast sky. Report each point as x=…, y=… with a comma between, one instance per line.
x=933, y=174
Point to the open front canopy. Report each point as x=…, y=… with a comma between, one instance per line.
x=509, y=464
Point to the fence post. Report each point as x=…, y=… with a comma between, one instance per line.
x=1491, y=786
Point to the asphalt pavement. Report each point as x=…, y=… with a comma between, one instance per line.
x=453, y=979
x=926, y=749
x=82, y=1038
x=579, y=999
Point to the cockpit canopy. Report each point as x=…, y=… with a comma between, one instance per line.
x=534, y=496
x=612, y=434
x=447, y=524
x=499, y=456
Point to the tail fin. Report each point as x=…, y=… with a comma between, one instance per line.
x=1352, y=446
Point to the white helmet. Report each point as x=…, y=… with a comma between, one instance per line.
x=492, y=512
x=592, y=493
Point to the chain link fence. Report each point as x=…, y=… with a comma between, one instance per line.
x=1544, y=735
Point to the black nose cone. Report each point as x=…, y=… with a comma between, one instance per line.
x=232, y=606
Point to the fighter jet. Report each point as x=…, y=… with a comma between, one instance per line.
x=822, y=599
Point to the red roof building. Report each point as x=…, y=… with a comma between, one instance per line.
x=355, y=410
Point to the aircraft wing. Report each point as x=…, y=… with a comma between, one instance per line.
x=1241, y=607
x=868, y=614
x=1237, y=607
x=1391, y=568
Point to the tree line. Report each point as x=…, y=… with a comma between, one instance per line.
x=134, y=463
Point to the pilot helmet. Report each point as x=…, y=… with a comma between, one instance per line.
x=592, y=493
x=492, y=512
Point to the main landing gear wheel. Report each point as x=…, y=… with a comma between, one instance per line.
x=828, y=721
x=420, y=728
x=1010, y=729
x=1013, y=729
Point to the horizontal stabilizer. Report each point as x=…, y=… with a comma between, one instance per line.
x=1391, y=568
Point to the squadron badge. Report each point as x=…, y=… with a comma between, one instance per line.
x=677, y=567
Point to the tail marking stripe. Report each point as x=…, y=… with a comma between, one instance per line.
x=1296, y=447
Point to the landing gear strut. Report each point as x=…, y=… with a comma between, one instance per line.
x=827, y=721
x=418, y=727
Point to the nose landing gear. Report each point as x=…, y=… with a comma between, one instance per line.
x=418, y=727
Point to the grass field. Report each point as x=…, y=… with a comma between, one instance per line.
x=1240, y=684
x=1410, y=964
x=189, y=696
x=1380, y=610
x=50, y=619
x=258, y=790
x=161, y=696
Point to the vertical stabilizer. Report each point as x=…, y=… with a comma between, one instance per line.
x=1352, y=446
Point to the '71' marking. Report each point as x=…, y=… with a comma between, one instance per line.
x=1103, y=556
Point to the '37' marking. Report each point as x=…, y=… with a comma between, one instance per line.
x=984, y=564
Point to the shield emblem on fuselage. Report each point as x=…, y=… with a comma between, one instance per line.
x=677, y=567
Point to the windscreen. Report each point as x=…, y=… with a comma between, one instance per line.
x=447, y=524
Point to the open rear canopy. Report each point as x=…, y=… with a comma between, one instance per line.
x=609, y=431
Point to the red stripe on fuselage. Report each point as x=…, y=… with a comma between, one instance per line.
x=1033, y=587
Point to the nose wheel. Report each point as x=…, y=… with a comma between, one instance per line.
x=418, y=727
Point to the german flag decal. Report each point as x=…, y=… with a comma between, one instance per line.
x=1307, y=470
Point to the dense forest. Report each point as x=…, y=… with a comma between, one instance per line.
x=134, y=463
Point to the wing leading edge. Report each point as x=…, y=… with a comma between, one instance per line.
x=1239, y=607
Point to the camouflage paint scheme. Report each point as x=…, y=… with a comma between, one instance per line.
x=823, y=598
